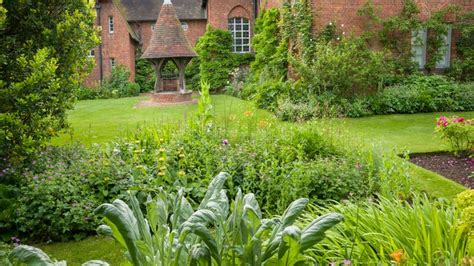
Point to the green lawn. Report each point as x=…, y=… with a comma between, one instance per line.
x=92, y=248
x=414, y=132
x=99, y=121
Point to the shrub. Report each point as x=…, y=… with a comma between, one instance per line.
x=387, y=231
x=115, y=86
x=423, y=94
x=465, y=204
x=215, y=55
x=458, y=131
x=61, y=190
x=346, y=68
x=145, y=75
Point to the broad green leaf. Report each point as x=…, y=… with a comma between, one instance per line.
x=251, y=202
x=205, y=235
x=95, y=263
x=104, y=230
x=122, y=217
x=289, y=245
x=314, y=232
x=200, y=255
x=293, y=211
x=214, y=188
x=201, y=217
x=30, y=256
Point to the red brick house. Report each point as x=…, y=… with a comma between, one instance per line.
x=128, y=24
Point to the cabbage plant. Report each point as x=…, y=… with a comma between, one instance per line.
x=217, y=233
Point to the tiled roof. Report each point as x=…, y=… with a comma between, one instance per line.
x=148, y=10
x=168, y=39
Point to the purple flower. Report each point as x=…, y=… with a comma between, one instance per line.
x=346, y=262
x=16, y=241
x=225, y=142
x=35, y=177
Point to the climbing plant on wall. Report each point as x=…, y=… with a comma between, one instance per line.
x=395, y=32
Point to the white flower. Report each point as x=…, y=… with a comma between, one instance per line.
x=342, y=25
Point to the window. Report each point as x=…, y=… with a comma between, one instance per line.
x=444, y=61
x=112, y=62
x=185, y=26
x=152, y=26
x=240, y=30
x=111, y=24
x=418, y=47
x=92, y=53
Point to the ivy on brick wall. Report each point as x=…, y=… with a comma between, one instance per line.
x=271, y=51
x=394, y=32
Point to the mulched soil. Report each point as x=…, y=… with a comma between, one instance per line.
x=448, y=165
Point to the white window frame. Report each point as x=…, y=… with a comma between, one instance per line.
x=240, y=43
x=91, y=53
x=445, y=61
x=112, y=62
x=111, y=24
x=184, y=25
x=418, y=47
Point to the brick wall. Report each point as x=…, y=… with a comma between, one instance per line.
x=117, y=45
x=220, y=11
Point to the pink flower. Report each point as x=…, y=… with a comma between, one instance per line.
x=225, y=142
x=459, y=120
x=442, y=121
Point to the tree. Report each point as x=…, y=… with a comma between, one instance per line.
x=42, y=61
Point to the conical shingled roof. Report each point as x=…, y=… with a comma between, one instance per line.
x=168, y=39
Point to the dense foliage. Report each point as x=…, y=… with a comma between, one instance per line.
x=215, y=55
x=117, y=85
x=415, y=94
x=43, y=54
x=266, y=40
x=390, y=231
x=145, y=75
x=217, y=233
x=279, y=164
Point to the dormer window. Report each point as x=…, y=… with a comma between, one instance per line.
x=185, y=26
x=111, y=24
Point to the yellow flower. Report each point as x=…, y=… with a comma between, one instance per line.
x=161, y=173
x=162, y=150
x=181, y=155
x=163, y=168
x=161, y=159
x=248, y=113
x=263, y=123
x=181, y=173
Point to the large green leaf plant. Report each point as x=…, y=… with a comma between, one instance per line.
x=217, y=233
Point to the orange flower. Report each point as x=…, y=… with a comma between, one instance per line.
x=397, y=256
x=248, y=113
